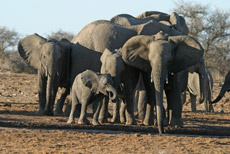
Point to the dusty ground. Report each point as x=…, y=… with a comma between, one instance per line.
x=23, y=131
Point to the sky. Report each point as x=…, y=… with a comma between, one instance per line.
x=45, y=16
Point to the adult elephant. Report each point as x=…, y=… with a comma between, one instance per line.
x=195, y=90
x=162, y=21
x=157, y=21
x=49, y=58
x=174, y=20
x=224, y=88
x=123, y=76
x=160, y=58
x=102, y=34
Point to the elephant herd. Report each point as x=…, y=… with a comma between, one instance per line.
x=115, y=59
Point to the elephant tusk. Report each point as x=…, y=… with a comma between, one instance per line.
x=167, y=80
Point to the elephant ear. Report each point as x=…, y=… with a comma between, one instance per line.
x=175, y=21
x=29, y=49
x=135, y=52
x=186, y=51
x=90, y=80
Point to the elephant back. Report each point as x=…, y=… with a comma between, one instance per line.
x=102, y=34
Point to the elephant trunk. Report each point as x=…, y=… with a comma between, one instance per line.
x=158, y=79
x=51, y=89
x=224, y=88
x=221, y=94
x=112, y=92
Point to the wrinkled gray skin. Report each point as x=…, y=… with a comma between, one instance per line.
x=156, y=21
x=123, y=76
x=102, y=34
x=160, y=58
x=194, y=90
x=89, y=86
x=225, y=87
x=174, y=20
x=49, y=58
x=139, y=26
x=93, y=39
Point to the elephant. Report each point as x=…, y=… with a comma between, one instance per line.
x=98, y=35
x=49, y=58
x=159, y=58
x=174, y=20
x=123, y=76
x=194, y=90
x=89, y=86
x=102, y=34
x=224, y=88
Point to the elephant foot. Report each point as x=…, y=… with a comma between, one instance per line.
x=48, y=113
x=176, y=122
x=131, y=122
x=115, y=119
x=83, y=122
x=103, y=120
x=141, y=116
x=148, y=123
x=95, y=123
x=165, y=123
x=70, y=122
x=40, y=112
x=122, y=120
x=58, y=113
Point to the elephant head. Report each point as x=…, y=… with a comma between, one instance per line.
x=161, y=56
x=99, y=83
x=49, y=57
x=224, y=88
x=113, y=64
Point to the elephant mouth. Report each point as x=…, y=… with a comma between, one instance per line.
x=111, y=96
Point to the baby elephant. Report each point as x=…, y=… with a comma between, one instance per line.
x=89, y=86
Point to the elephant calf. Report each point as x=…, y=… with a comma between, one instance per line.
x=87, y=87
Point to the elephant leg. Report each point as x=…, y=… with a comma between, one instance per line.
x=61, y=101
x=103, y=115
x=97, y=105
x=83, y=120
x=174, y=103
x=42, y=81
x=193, y=102
x=150, y=93
x=73, y=108
x=122, y=111
x=141, y=106
x=140, y=98
x=116, y=107
x=128, y=93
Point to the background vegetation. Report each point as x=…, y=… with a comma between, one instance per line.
x=211, y=27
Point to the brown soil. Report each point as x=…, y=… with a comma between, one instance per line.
x=23, y=131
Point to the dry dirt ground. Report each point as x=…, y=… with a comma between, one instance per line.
x=23, y=131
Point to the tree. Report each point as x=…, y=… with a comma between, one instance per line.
x=8, y=38
x=61, y=34
x=211, y=28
